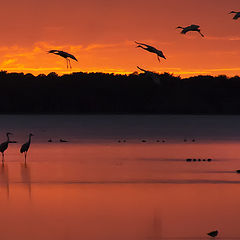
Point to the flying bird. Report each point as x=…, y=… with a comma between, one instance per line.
x=4, y=145
x=151, y=49
x=236, y=16
x=25, y=146
x=153, y=76
x=191, y=28
x=213, y=234
x=64, y=55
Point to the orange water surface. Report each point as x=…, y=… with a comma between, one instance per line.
x=118, y=191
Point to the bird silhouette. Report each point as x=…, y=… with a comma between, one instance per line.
x=236, y=16
x=64, y=55
x=213, y=234
x=151, y=49
x=4, y=145
x=62, y=140
x=191, y=28
x=25, y=146
x=153, y=76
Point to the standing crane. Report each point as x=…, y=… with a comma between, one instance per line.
x=64, y=55
x=25, y=146
x=4, y=145
x=151, y=49
x=191, y=28
x=236, y=16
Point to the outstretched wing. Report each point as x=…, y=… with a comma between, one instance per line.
x=143, y=44
x=71, y=56
x=145, y=71
x=193, y=26
x=237, y=15
x=53, y=51
x=68, y=55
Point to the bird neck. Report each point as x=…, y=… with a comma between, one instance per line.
x=29, y=140
x=8, y=138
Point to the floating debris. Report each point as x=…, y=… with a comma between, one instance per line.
x=213, y=234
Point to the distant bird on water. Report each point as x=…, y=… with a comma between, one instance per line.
x=236, y=16
x=191, y=28
x=4, y=145
x=25, y=146
x=62, y=140
x=151, y=49
x=213, y=234
x=64, y=55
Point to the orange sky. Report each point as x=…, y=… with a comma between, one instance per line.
x=101, y=34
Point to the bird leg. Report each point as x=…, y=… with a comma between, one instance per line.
x=158, y=58
x=201, y=33
x=2, y=157
x=69, y=63
x=25, y=156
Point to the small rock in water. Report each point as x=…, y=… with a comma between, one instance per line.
x=189, y=160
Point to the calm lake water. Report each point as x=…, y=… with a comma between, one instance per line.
x=96, y=188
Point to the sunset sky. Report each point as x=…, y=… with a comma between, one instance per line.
x=101, y=35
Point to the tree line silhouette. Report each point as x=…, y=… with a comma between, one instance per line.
x=102, y=93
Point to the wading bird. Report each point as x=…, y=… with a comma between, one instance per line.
x=236, y=16
x=152, y=75
x=213, y=234
x=151, y=49
x=64, y=55
x=191, y=28
x=25, y=146
x=4, y=145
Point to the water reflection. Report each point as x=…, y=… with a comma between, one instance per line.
x=4, y=179
x=156, y=227
x=26, y=177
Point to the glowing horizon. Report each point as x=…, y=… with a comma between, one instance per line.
x=101, y=36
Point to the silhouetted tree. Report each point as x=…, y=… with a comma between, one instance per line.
x=114, y=93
